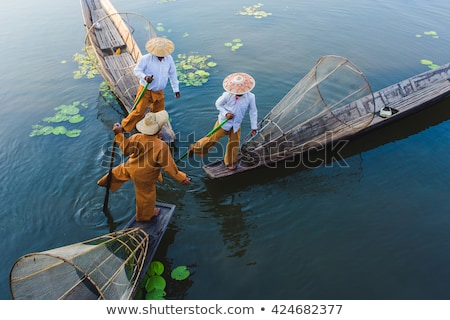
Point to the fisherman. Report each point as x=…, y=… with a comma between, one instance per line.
x=232, y=105
x=154, y=68
x=148, y=154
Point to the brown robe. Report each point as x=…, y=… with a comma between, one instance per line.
x=147, y=156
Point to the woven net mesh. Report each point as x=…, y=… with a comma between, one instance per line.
x=106, y=267
x=333, y=100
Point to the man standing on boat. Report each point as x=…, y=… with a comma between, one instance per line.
x=147, y=156
x=232, y=106
x=155, y=69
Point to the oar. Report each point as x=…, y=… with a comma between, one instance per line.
x=108, y=186
x=208, y=135
x=139, y=97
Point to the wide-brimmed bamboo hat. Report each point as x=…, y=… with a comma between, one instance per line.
x=152, y=122
x=159, y=47
x=238, y=83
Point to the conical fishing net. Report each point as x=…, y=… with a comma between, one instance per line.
x=107, y=267
x=332, y=101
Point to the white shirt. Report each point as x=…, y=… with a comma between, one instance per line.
x=162, y=71
x=230, y=103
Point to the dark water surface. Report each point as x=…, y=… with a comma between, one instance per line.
x=372, y=226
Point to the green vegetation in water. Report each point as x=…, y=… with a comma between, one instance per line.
x=160, y=28
x=64, y=113
x=433, y=34
x=429, y=63
x=153, y=285
x=192, y=69
x=86, y=64
x=254, y=11
x=234, y=45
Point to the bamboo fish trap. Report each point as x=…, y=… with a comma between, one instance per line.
x=106, y=267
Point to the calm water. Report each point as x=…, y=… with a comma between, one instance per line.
x=375, y=226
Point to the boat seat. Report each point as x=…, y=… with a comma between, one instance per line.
x=107, y=34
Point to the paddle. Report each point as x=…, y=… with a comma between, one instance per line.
x=139, y=97
x=208, y=135
x=108, y=185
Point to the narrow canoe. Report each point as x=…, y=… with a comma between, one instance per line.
x=404, y=98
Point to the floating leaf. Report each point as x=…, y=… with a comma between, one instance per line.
x=155, y=282
x=427, y=62
x=86, y=64
x=433, y=66
x=76, y=118
x=188, y=68
x=155, y=294
x=180, y=273
x=73, y=133
x=68, y=109
x=59, y=130
x=253, y=11
x=156, y=267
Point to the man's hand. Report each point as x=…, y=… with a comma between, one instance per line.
x=177, y=95
x=229, y=115
x=117, y=128
x=149, y=79
x=254, y=131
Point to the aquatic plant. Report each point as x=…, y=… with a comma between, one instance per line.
x=429, y=63
x=86, y=64
x=254, y=11
x=234, y=44
x=153, y=286
x=192, y=69
x=64, y=113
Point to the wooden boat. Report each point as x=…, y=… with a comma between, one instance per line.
x=376, y=109
x=116, y=51
x=109, y=267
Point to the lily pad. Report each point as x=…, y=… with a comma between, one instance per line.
x=73, y=133
x=180, y=273
x=155, y=294
x=59, y=130
x=58, y=117
x=76, y=118
x=156, y=267
x=192, y=69
x=427, y=62
x=155, y=282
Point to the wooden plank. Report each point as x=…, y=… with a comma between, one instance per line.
x=107, y=34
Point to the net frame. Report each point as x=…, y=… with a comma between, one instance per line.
x=105, y=267
x=333, y=100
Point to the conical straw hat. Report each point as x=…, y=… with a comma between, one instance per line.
x=238, y=83
x=159, y=47
x=152, y=122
